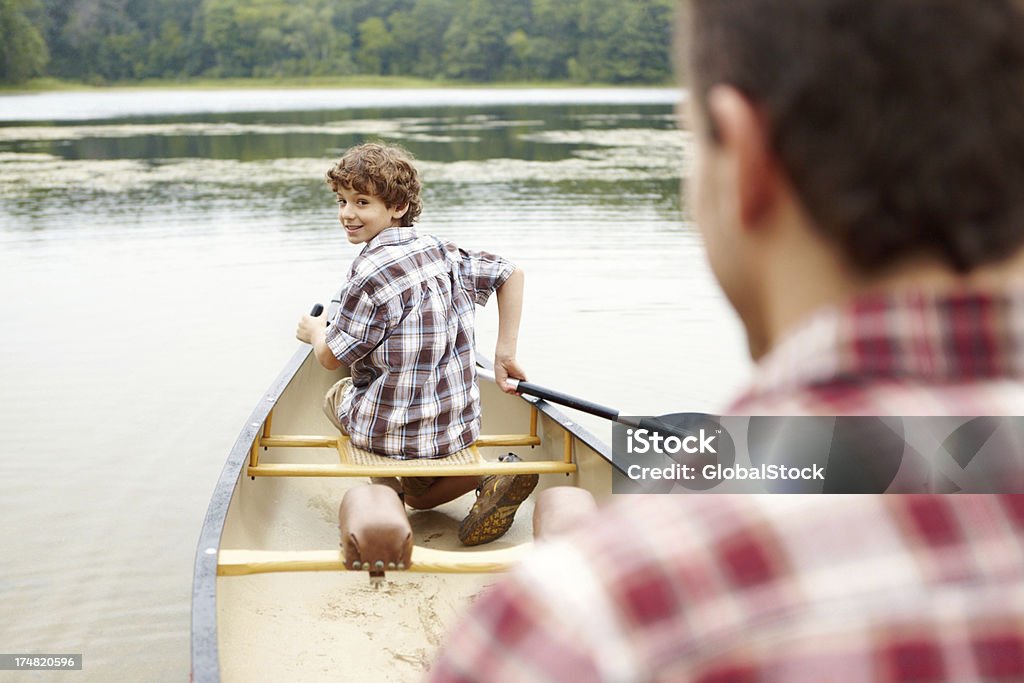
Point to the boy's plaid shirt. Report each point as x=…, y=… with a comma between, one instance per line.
x=801, y=589
x=404, y=327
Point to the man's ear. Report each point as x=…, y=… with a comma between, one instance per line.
x=400, y=211
x=743, y=137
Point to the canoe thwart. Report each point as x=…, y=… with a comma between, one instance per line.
x=298, y=441
x=356, y=462
x=317, y=441
x=238, y=562
x=411, y=468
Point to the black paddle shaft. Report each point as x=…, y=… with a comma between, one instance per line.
x=649, y=423
x=567, y=400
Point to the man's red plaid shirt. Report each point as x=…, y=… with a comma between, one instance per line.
x=801, y=589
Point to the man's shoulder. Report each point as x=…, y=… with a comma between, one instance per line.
x=867, y=396
x=910, y=351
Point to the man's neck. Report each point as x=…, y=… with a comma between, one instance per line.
x=815, y=277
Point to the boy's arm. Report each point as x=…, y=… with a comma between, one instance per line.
x=313, y=330
x=510, y=311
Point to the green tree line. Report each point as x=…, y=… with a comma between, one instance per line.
x=100, y=41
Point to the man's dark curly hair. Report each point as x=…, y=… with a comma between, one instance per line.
x=899, y=122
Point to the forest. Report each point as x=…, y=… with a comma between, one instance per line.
x=121, y=41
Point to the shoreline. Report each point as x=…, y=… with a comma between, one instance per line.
x=46, y=85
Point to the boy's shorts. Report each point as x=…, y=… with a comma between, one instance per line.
x=411, y=486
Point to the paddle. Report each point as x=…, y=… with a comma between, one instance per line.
x=583, y=405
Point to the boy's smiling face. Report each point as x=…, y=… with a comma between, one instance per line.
x=364, y=216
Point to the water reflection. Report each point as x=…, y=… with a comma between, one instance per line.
x=275, y=161
x=442, y=134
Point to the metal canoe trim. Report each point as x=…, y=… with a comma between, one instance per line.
x=205, y=662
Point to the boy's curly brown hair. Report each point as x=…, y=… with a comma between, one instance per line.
x=383, y=171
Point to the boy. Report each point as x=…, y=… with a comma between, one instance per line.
x=405, y=329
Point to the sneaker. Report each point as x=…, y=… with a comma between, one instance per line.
x=498, y=498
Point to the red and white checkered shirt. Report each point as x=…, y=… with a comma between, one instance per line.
x=905, y=353
x=404, y=327
x=801, y=589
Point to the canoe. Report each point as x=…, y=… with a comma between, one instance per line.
x=271, y=598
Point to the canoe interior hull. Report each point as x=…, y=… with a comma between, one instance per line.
x=313, y=626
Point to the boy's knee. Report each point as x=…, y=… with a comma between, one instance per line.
x=416, y=492
x=416, y=488
x=418, y=502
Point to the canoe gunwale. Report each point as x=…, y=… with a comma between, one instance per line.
x=205, y=661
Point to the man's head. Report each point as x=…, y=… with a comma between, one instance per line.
x=377, y=187
x=892, y=129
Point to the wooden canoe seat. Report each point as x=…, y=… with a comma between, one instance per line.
x=356, y=462
x=357, y=457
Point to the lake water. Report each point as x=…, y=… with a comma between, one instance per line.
x=156, y=251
